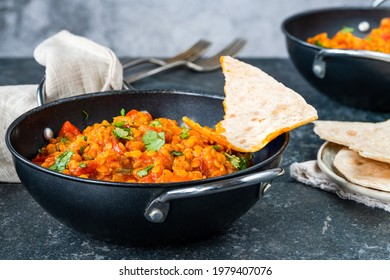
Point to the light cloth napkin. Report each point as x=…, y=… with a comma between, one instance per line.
x=74, y=65
x=310, y=174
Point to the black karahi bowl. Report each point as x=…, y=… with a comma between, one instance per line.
x=138, y=214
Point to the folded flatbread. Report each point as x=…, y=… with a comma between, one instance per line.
x=257, y=108
x=369, y=140
x=363, y=171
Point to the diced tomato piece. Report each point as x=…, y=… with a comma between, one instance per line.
x=69, y=131
x=39, y=159
x=204, y=167
x=139, y=117
x=386, y=36
x=131, y=112
x=116, y=147
x=89, y=169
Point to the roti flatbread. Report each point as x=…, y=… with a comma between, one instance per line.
x=257, y=108
x=363, y=171
x=370, y=140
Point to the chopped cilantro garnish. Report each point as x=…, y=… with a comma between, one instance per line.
x=86, y=115
x=153, y=140
x=318, y=43
x=119, y=124
x=185, y=133
x=244, y=161
x=239, y=162
x=156, y=123
x=123, y=112
x=82, y=164
x=216, y=147
x=124, y=133
x=176, y=153
x=145, y=171
x=234, y=160
x=62, y=161
x=347, y=29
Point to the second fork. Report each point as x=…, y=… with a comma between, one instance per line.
x=191, y=54
x=209, y=64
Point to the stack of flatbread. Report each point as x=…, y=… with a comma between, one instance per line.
x=365, y=158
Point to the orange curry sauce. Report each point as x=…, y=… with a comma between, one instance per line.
x=134, y=147
x=378, y=39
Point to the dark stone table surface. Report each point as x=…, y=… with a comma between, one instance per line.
x=292, y=221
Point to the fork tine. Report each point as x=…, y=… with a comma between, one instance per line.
x=238, y=47
x=232, y=49
x=237, y=43
x=192, y=53
x=209, y=64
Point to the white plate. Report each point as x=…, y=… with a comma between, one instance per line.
x=325, y=158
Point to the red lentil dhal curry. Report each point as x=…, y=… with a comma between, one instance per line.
x=134, y=147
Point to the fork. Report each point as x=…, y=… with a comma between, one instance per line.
x=209, y=64
x=191, y=54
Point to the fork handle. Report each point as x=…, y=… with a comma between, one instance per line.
x=152, y=72
x=139, y=61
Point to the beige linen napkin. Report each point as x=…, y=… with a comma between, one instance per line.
x=74, y=65
x=310, y=174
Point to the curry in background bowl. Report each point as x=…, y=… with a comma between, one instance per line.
x=378, y=39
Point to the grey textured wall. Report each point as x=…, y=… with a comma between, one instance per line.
x=153, y=27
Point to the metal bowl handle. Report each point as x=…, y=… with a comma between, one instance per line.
x=41, y=91
x=377, y=3
x=157, y=210
x=319, y=63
